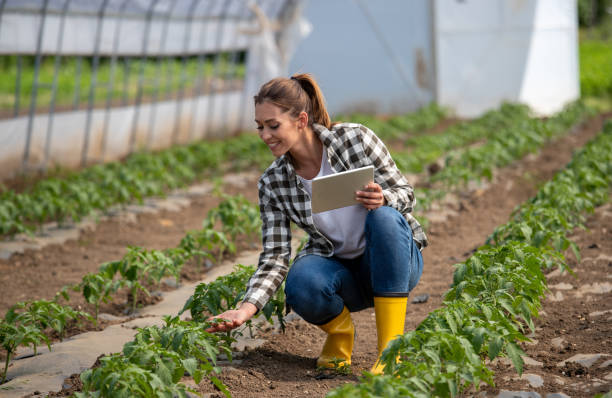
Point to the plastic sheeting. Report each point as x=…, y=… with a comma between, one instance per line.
x=172, y=27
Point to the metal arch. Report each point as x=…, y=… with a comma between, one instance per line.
x=160, y=57
x=243, y=14
x=34, y=95
x=179, y=100
x=111, y=79
x=219, y=38
x=139, y=92
x=93, y=82
x=58, y=57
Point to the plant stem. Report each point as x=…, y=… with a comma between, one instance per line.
x=6, y=364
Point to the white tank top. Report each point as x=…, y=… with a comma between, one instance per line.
x=344, y=227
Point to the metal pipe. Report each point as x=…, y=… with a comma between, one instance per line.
x=56, y=65
x=77, y=86
x=94, y=81
x=231, y=72
x=145, y=45
x=18, y=86
x=126, y=80
x=160, y=57
x=200, y=73
x=179, y=100
x=111, y=79
x=33, y=97
x=219, y=42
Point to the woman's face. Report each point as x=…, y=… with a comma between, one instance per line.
x=276, y=128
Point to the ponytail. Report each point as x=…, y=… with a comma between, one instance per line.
x=300, y=93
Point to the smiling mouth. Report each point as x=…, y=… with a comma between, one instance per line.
x=273, y=145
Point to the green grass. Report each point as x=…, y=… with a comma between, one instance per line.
x=596, y=63
x=164, y=78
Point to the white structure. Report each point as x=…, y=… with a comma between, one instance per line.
x=469, y=55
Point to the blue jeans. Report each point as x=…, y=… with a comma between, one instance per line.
x=317, y=288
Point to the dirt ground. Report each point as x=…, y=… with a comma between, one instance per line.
x=285, y=365
x=39, y=274
x=576, y=318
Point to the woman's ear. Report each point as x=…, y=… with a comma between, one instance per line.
x=302, y=120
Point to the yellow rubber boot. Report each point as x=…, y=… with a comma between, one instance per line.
x=339, y=343
x=390, y=317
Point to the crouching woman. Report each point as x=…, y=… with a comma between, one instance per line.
x=360, y=256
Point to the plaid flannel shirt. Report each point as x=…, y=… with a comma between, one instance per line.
x=283, y=198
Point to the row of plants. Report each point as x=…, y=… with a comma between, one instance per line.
x=507, y=144
x=512, y=141
x=226, y=292
x=73, y=195
x=162, y=78
x=78, y=194
x=496, y=293
x=29, y=323
x=423, y=150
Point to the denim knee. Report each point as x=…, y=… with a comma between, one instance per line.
x=310, y=294
x=387, y=221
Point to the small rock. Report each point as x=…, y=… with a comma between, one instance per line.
x=558, y=296
x=606, y=364
x=534, y=380
x=518, y=394
x=110, y=318
x=531, y=362
x=421, y=298
x=608, y=376
x=558, y=342
x=595, y=288
x=599, y=313
x=555, y=273
x=247, y=344
x=557, y=395
x=585, y=360
x=170, y=282
x=559, y=381
x=562, y=286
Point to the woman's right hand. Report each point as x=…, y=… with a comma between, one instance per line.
x=233, y=318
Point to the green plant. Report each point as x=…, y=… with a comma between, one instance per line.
x=226, y=292
x=154, y=362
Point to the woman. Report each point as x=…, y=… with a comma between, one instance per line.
x=356, y=257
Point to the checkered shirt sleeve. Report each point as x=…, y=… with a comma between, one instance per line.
x=276, y=238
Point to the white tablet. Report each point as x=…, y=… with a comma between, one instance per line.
x=338, y=190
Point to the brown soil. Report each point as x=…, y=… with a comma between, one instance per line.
x=575, y=319
x=284, y=366
x=39, y=274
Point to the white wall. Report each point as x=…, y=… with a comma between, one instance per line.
x=353, y=66
x=199, y=117
x=489, y=51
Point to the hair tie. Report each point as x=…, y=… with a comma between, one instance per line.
x=293, y=78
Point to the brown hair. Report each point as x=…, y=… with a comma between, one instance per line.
x=296, y=94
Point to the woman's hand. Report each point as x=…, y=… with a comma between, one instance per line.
x=232, y=318
x=371, y=196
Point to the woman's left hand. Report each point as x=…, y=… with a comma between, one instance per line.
x=371, y=196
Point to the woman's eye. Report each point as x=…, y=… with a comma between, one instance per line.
x=274, y=127
x=259, y=127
